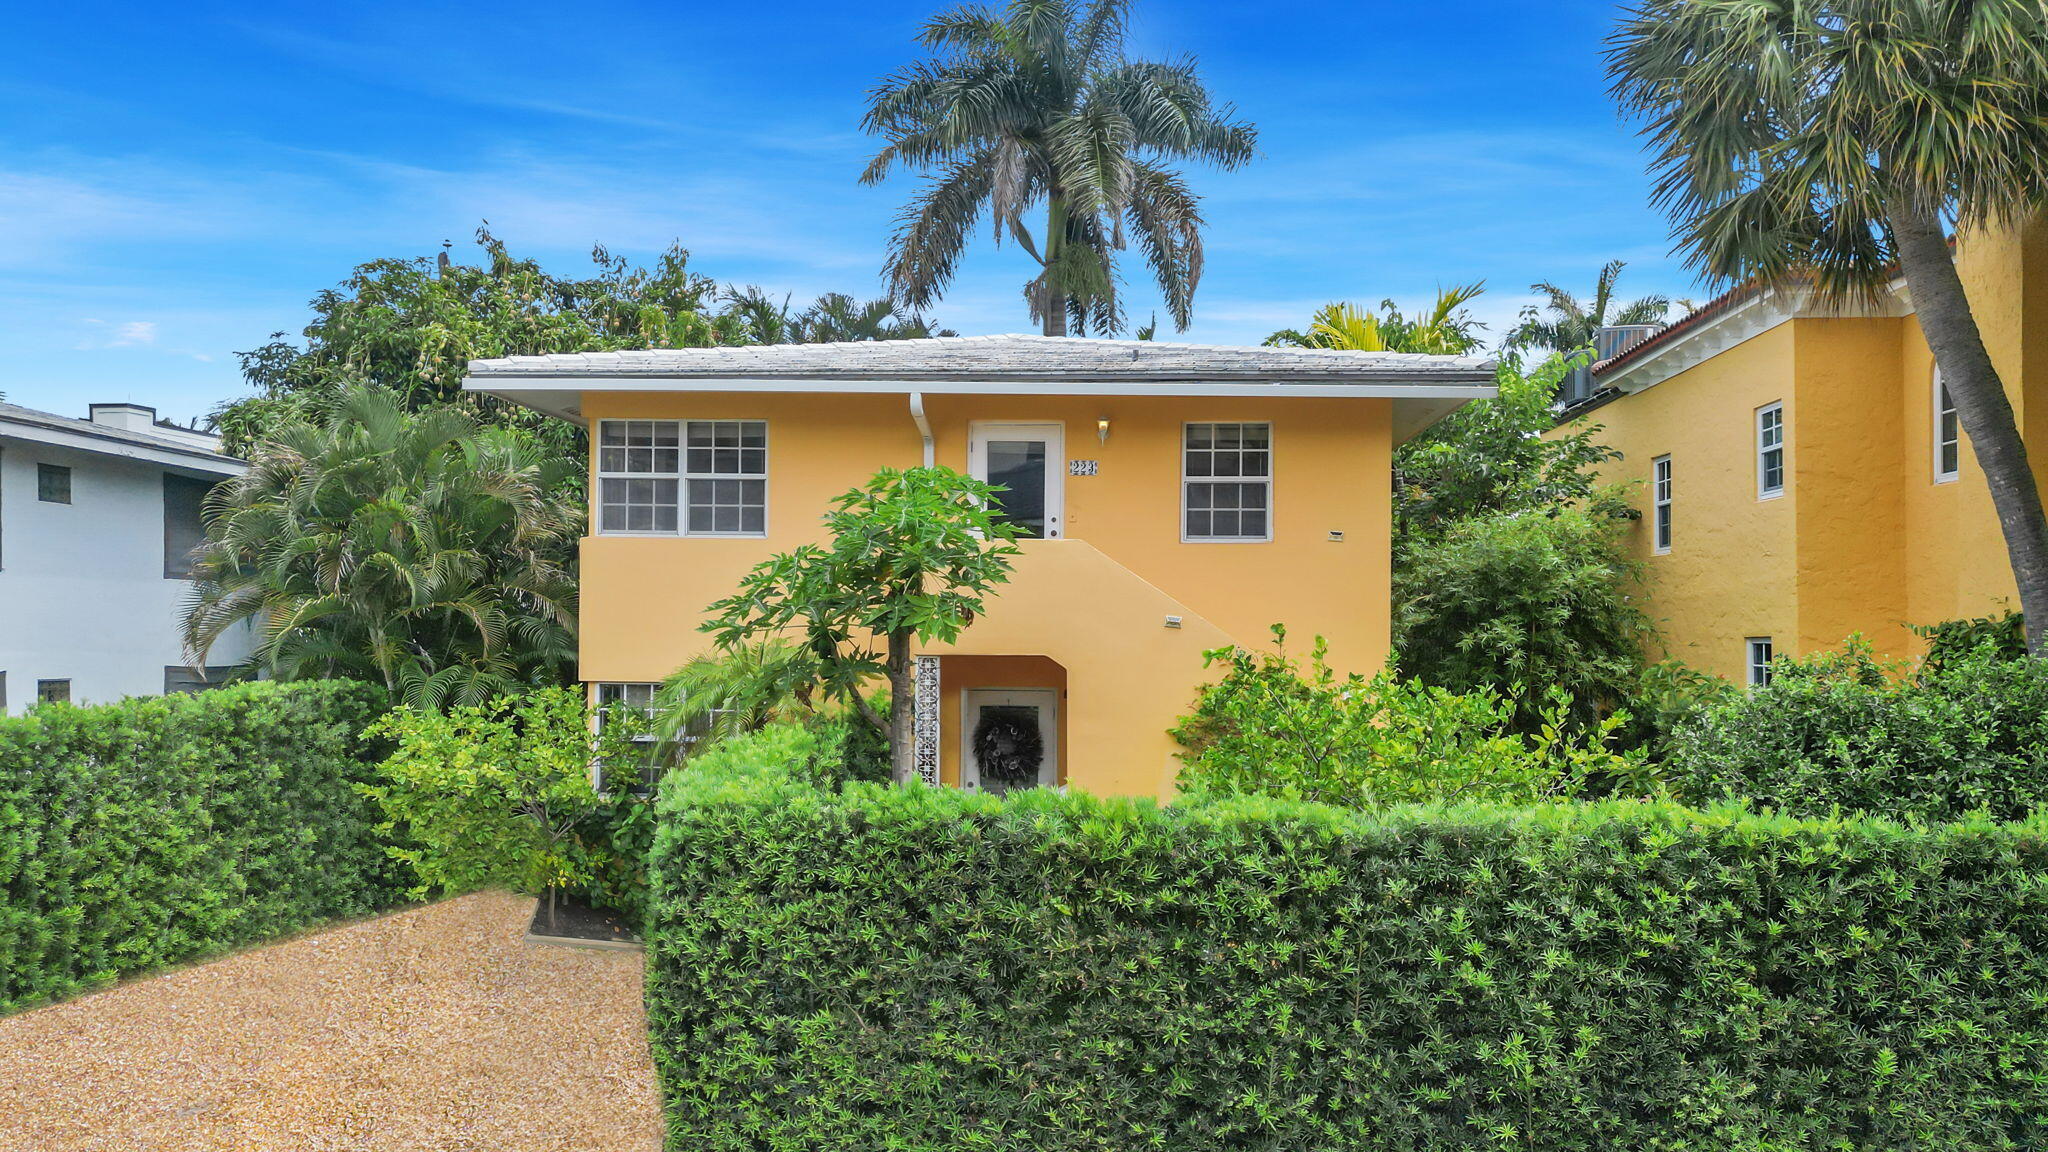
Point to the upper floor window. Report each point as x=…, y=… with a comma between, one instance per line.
x=683, y=477
x=1770, y=450
x=1660, y=492
x=1948, y=434
x=1759, y=661
x=1227, y=488
x=184, y=529
x=53, y=483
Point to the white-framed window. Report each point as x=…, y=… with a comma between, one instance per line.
x=1660, y=504
x=682, y=477
x=629, y=706
x=1948, y=434
x=1770, y=451
x=1226, y=482
x=1759, y=661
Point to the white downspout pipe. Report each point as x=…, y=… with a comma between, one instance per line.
x=924, y=427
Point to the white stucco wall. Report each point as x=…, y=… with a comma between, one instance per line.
x=83, y=594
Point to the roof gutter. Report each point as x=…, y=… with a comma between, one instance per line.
x=924, y=427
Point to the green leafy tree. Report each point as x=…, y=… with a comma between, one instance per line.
x=1268, y=729
x=412, y=325
x=1493, y=456
x=1833, y=142
x=911, y=557
x=1525, y=603
x=1445, y=328
x=1034, y=107
x=420, y=551
x=1565, y=324
x=499, y=794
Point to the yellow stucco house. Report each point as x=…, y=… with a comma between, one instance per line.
x=1180, y=498
x=1802, y=474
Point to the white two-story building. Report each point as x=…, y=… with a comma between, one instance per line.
x=98, y=519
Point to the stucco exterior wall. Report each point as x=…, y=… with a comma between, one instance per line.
x=1731, y=571
x=83, y=594
x=1094, y=602
x=1867, y=538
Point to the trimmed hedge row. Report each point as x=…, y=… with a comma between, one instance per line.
x=919, y=970
x=157, y=831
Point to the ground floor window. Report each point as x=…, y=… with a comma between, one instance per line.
x=185, y=678
x=627, y=708
x=1759, y=661
x=53, y=691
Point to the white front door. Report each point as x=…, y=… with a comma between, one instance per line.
x=1009, y=739
x=1029, y=461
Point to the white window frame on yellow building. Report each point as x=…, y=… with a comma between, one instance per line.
x=682, y=476
x=1759, y=670
x=1187, y=482
x=1949, y=437
x=1782, y=448
x=1661, y=511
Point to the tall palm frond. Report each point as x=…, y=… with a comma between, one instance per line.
x=1563, y=323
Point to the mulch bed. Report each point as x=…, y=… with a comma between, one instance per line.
x=437, y=1028
x=576, y=923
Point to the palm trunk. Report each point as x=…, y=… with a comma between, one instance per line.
x=902, y=710
x=1981, y=405
x=1052, y=301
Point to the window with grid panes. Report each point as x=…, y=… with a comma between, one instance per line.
x=1227, y=486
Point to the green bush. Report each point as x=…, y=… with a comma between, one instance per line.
x=1267, y=728
x=163, y=830
x=922, y=970
x=1844, y=730
x=501, y=795
x=1529, y=604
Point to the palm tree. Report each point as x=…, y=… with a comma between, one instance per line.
x=1444, y=329
x=839, y=317
x=424, y=552
x=727, y=693
x=1033, y=107
x=1571, y=324
x=1833, y=142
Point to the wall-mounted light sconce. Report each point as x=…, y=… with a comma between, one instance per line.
x=1102, y=430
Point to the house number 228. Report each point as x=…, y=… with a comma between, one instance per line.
x=1080, y=467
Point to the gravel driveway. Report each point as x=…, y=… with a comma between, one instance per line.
x=434, y=1028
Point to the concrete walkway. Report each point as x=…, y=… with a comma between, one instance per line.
x=435, y=1028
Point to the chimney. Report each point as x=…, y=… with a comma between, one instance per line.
x=142, y=418
x=126, y=417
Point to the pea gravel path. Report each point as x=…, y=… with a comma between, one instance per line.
x=435, y=1028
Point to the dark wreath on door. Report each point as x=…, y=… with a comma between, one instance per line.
x=1007, y=745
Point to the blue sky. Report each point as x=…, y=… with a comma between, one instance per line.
x=176, y=181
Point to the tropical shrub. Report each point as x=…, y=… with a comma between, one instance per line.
x=1845, y=730
x=1267, y=728
x=422, y=552
x=2005, y=633
x=924, y=970
x=1526, y=604
x=502, y=794
x=163, y=830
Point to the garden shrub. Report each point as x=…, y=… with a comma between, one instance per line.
x=922, y=969
x=1845, y=730
x=163, y=830
x=1268, y=728
x=501, y=794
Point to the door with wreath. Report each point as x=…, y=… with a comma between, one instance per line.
x=1009, y=739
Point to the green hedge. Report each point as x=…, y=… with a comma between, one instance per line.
x=920, y=970
x=156, y=831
